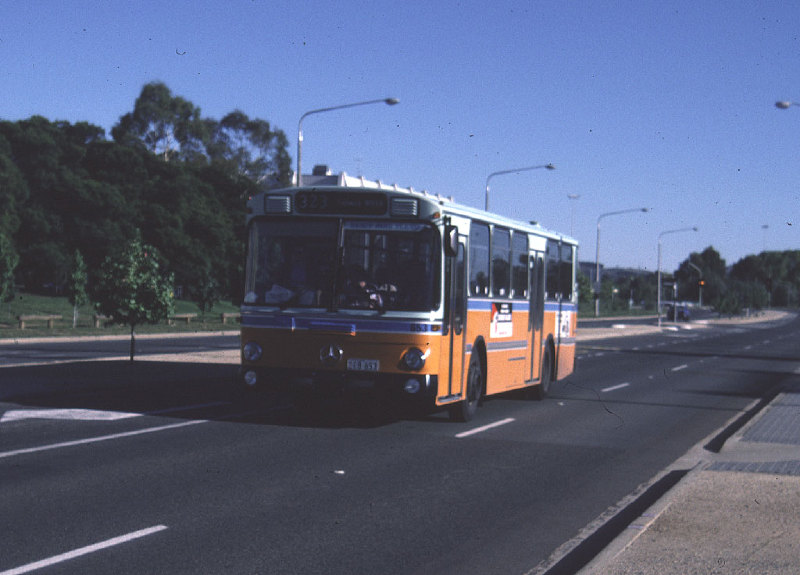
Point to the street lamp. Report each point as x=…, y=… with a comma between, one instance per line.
x=661, y=235
x=388, y=101
x=785, y=104
x=514, y=171
x=597, y=254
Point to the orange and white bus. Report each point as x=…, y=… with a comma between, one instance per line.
x=352, y=283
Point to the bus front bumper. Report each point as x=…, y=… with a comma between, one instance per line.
x=407, y=387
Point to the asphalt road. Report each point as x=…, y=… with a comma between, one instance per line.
x=108, y=466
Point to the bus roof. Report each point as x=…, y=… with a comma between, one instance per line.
x=332, y=182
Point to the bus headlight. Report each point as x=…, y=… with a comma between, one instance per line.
x=414, y=359
x=250, y=378
x=252, y=351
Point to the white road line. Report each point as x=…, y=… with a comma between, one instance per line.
x=680, y=367
x=614, y=387
x=78, y=414
x=73, y=414
x=477, y=430
x=83, y=551
x=99, y=438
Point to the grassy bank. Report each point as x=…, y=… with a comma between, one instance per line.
x=31, y=304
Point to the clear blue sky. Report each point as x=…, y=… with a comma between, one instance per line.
x=665, y=105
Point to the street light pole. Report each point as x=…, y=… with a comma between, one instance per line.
x=388, y=101
x=661, y=235
x=597, y=254
x=514, y=171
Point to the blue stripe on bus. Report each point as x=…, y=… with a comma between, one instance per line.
x=347, y=326
x=519, y=305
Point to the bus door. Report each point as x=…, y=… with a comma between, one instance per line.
x=456, y=319
x=536, y=315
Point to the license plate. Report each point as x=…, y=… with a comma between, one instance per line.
x=354, y=364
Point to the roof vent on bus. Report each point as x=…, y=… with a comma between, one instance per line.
x=405, y=207
x=277, y=204
x=321, y=170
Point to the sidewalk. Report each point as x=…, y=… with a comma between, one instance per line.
x=735, y=512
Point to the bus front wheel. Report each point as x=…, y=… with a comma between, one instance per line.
x=465, y=410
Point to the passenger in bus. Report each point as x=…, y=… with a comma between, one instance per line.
x=359, y=292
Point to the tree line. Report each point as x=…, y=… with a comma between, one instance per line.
x=168, y=177
x=174, y=182
x=768, y=279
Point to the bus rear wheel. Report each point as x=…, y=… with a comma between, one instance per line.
x=465, y=410
x=540, y=391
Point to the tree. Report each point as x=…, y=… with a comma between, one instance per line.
x=250, y=147
x=206, y=293
x=714, y=276
x=166, y=125
x=585, y=295
x=76, y=286
x=8, y=264
x=133, y=289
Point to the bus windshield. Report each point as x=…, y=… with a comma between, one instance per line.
x=382, y=266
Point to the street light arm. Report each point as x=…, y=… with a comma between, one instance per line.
x=597, y=252
x=514, y=171
x=690, y=229
x=387, y=101
x=644, y=210
x=658, y=275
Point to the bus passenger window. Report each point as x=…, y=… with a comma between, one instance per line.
x=553, y=272
x=519, y=266
x=501, y=256
x=566, y=272
x=479, y=260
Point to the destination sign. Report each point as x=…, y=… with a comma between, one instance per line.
x=372, y=204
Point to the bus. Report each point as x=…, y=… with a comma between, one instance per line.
x=352, y=284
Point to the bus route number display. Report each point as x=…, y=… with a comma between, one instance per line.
x=340, y=203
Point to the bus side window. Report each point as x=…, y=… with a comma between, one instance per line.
x=552, y=284
x=479, y=259
x=501, y=260
x=566, y=275
x=519, y=266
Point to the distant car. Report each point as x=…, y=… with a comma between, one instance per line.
x=682, y=312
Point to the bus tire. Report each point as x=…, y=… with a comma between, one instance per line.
x=465, y=410
x=543, y=389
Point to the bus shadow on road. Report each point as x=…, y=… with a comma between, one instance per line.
x=181, y=390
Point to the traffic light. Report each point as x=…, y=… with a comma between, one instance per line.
x=701, y=283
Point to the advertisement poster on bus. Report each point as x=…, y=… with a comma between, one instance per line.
x=501, y=325
x=563, y=320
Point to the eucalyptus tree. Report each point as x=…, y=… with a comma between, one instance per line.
x=167, y=125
